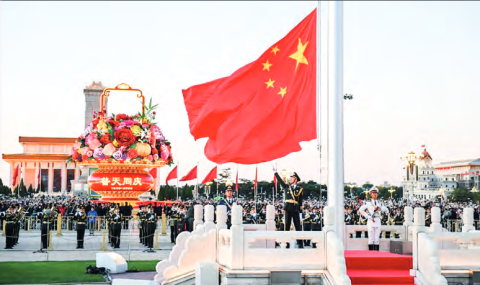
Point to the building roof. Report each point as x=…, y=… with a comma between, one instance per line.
x=466, y=162
x=48, y=140
x=35, y=156
x=96, y=86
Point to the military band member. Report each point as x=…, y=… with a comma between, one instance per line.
x=141, y=224
x=174, y=217
x=293, y=203
x=307, y=224
x=116, y=227
x=374, y=216
x=9, y=228
x=81, y=222
x=316, y=220
x=251, y=218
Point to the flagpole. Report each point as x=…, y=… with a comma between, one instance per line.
x=319, y=89
x=236, y=185
x=196, y=187
x=177, y=179
x=335, y=114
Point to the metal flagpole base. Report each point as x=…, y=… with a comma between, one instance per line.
x=149, y=250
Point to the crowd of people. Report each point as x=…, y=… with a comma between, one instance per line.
x=43, y=212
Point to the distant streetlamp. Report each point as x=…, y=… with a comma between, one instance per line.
x=391, y=192
x=474, y=190
x=208, y=184
x=410, y=159
x=441, y=192
x=352, y=185
x=366, y=194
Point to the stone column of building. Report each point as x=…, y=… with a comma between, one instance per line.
x=64, y=178
x=92, y=100
x=37, y=172
x=50, y=178
x=12, y=168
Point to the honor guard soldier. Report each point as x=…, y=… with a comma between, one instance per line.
x=46, y=219
x=373, y=216
x=307, y=224
x=174, y=216
x=9, y=228
x=151, y=221
x=81, y=221
x=228, y=201
x=109, y=222
x=141, y=221
x=316, y=219
x=293, y=203
x=116, y=227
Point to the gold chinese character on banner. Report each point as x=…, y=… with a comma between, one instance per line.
x=137, y=181
x=105, y=181
x=127, y=180
x=116, y=180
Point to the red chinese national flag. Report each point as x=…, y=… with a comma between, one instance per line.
x=236, y=182
x=263, y=110
x=172, y=175
x=15, y=176
x=210, y=176
x=275, y=180
x=191, y=175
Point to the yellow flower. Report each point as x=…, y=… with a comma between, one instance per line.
x=115, y=143
x=136, y=130
x=102, y=125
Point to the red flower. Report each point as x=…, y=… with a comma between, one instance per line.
x=95, y=122
x=84, y=157
x=105, y=139
x=75, y=155
x=113, y=123
x=122, y=117
x=124, y=137
x=132, y=153
x=154, y=151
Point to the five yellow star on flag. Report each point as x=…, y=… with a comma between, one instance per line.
x=298, y=56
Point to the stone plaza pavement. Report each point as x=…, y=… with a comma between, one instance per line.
x=64, y=247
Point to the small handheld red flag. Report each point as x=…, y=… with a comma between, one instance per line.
x=256, y=170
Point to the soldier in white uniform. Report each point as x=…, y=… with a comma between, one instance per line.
x=372, y=212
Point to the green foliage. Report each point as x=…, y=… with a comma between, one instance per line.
x=48, y=272
x=463, y=195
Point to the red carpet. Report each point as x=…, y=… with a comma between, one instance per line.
x=378, y=267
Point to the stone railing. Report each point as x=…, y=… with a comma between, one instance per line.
x=436, y=250
x=241, y=246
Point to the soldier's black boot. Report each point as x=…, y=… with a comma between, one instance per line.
x=370, y=247
x=377, y=247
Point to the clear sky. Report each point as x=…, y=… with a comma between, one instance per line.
x=413, y=68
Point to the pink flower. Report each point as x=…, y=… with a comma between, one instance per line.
x=77, y=145
x=109, y=149
x=128, y=123
x=150, y=157
x=85, y=150
x=164, y=151
x=89, y=153
x=94, y=144
x=155, y=156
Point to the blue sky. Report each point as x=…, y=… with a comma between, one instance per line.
x=411, y=66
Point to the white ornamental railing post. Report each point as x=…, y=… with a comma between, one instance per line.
x=467, y=220
x=236, y=243
x=209, y=224
x=436, y=226
x=270, y=224
x=198, y=216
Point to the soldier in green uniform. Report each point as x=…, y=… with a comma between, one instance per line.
x=174, y=216
x=293, y=203
x=81, y=222
x=151, y=221
x=46, y=219
x=116, y=227
x=307, y=224
x=9, y=228
x=428, y=217
x=316, y=221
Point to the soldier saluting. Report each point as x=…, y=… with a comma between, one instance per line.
x=293, y=203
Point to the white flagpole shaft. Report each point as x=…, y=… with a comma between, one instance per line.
x=335, y=114
x=177, y=179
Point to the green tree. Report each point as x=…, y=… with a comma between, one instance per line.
x=461, y=195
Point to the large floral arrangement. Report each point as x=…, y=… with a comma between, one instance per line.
x=122, y=139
